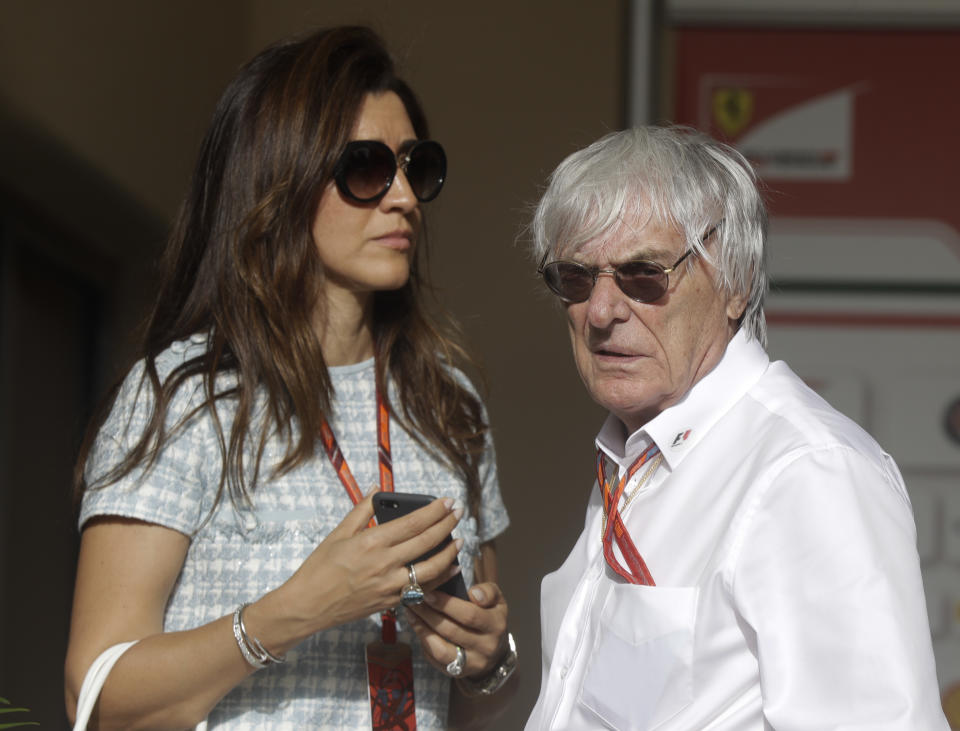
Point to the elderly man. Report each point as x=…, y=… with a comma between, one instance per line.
x=748, y=557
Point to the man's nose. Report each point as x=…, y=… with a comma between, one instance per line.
x=607, y=303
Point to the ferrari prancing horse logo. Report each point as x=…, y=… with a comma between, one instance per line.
x=732, y=109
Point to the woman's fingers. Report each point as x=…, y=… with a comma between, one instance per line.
x=408, y=537
x=448, y=573
x=438, y=650
x=486, y=595
x=400, y=529
x=422, y=529
x=483, y=634
x=355, y=571
x=481, y=652
x=425, y=526
x=424, y=532
x=356, y=520
x=485, y=612
x=478, y=626
x=433, y=571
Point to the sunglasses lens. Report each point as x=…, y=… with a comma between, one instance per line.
x=644, y=281
x=569, y=281
x=366, y=170
x=426, y=170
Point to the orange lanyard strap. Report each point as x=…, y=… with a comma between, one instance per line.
x=383, y=445
x=339, y=462
x=636, y=571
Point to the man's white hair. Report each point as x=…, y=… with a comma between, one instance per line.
x=676, y=176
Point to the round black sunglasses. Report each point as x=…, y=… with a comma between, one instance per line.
x=641, y=280
x=367, y=168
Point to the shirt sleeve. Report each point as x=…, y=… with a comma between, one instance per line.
x=828, y=580
x=173, y=491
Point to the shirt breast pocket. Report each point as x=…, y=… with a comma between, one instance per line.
x=640, y=673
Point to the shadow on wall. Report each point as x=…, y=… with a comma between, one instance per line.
x=75, y=254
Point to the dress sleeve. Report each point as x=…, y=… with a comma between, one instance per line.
x=828, y=579
x=174, y=491
x=493, y=513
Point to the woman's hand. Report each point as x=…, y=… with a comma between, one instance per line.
x=476, y=626
x=479, y=626
x=356, y=571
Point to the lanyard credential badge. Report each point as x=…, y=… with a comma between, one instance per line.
x=390, y=677
x=389, y=663
x=636, y=571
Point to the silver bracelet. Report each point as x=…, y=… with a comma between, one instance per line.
x=253, y=651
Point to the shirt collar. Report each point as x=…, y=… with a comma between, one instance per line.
x=678, y=429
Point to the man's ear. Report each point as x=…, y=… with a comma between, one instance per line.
x=736, y=306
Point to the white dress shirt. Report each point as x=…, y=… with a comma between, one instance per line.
x=788, y=593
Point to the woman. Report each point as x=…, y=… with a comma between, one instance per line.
x=287, y=362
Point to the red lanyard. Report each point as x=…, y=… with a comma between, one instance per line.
x=637, y=571
x=339, y=462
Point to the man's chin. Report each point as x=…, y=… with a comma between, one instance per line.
x=632, y=410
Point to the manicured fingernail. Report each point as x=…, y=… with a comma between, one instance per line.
x=458, y=509
x=478, y=594
x=449, y=503
x=459, y=544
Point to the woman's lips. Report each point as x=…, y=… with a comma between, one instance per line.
x=400, y=240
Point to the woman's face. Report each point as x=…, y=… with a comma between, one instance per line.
x=366, y=247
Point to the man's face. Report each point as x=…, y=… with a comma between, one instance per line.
x=636, y=359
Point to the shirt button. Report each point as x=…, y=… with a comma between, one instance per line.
x=563, y=673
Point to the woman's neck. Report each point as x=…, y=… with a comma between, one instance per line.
x=345, y=327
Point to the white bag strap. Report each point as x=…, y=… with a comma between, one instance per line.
x=94, y=680
x=93, y=684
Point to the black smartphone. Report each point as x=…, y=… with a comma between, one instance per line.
x=390, y=505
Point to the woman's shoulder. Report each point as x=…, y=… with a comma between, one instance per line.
x=167, y=360
x=460, y=377
x=193, y=345
x=179, y=353
x=136, y=394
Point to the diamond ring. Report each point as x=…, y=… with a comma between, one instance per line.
x=455, y=666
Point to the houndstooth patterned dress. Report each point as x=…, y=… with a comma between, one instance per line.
x=241, y=552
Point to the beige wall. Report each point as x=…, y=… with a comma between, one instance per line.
x=127, y=86
x=510, y=89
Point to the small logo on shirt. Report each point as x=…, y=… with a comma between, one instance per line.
x=681, y=438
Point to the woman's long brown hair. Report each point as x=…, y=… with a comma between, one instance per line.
x=241, y=267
